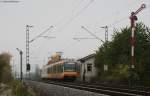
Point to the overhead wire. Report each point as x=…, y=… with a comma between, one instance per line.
x=110, y=25
x=50, y=27
x=36, y=37
x=72, y=18
x=41, y=34
x=122, y=19
x=63, y=18
x=77, y=5
x=92, y=34
x=118, y=21
x=115, y=22
x=76, y=15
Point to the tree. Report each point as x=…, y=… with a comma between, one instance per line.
x=117, y=53
x=5, y=68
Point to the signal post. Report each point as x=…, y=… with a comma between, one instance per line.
x=133, y=19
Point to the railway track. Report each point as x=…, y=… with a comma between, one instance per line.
x=102, y=89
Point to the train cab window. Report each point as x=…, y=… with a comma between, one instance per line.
x=77, y=67
x=89, y=67
x=69, y=67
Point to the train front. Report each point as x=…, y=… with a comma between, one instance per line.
x=71, y=70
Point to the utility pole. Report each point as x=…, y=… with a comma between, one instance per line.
x=133, y=18
x=21, y=73
x=27, y=49
x=106, y=33
x=28, y=41
x=106, y=41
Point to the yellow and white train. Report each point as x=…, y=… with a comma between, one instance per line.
x=64, y=69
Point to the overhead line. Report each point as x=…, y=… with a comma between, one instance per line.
x=77, y=5
x=41, y=34
x=118, y=21
x=76, y=15
x=71, y=13
x=92, y=34
x=122, y=19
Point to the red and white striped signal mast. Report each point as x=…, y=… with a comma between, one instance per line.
x=133, y=18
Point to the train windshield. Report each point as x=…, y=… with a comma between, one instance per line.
x=69, y=67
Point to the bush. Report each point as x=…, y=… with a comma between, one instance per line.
x=5, y=68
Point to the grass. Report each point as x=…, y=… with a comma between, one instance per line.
x=20, y=89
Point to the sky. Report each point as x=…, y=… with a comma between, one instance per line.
x=66, y=17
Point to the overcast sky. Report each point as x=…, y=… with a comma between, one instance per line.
x=67, y=17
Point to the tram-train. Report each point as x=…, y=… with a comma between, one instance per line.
x=62, y=69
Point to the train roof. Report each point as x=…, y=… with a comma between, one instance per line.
x=60, y=61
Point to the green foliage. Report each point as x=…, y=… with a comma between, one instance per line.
x=117, y=54
x=5, y=68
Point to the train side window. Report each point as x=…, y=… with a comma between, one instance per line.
x=47, y=70
x=62, y=68
x=56, y=68
x=89, y=67
x=59, y=68
x=52, y=69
